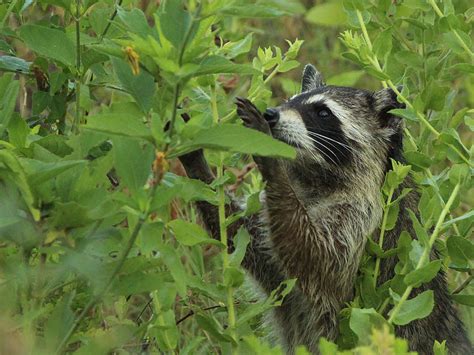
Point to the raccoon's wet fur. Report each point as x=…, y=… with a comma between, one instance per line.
x=320, y=207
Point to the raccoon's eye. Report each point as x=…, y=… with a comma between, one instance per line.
x=324, y=113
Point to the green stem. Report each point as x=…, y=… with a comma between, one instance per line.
x=374, y=59
x=438, y=192
x=222, y=220
x=360, y=18
x=177, y=88
x=425, y=122
x=427, y=251
x=382, y=232
x=108, y=284
x=464, y=284
x=456, y=34
x=77, y=119
x=7, y=14
x=109, y=24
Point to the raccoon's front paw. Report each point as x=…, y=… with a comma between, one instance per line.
x=251, y=116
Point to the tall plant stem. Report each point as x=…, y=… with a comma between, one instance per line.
x=145, y=215
x=456, y=34
x=222, y=219
x=382, y=232
x=7, y=14
x=388, y=83
x=109, y=282
x=77, y=19
x=374, y=60
x=109, y=24
x=177, y=87
x=427, y=251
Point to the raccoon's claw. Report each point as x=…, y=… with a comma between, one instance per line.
x=251, y=116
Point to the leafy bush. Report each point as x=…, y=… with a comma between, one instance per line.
x=101, y=247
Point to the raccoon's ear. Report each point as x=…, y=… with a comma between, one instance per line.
x=384, y=101
x=312, y=78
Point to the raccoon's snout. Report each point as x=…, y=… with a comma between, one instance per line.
x=272, y=116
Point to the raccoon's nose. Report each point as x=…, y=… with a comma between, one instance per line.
x=272, y=116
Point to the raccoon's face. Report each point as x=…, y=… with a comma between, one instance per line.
x=338, y=127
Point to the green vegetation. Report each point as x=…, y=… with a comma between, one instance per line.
x=101, y=249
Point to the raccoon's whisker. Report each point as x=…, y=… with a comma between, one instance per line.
x=331, y=139
x=332, y=145
x=328, y=138
x=325, y=154
x=327, y=148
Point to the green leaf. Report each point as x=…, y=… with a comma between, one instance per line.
x=139, y=282
x=468, y=215
x=418, y=159
x=368, y=292
x=50, y=43
x=392, y=216
x=213, y=327
x=180, y=187
x=440, y=348
x=288, y=65
x=190, y=234
x=275, y=299
x=327, y=14
x=423, y=275
x=234, y=49
x=233, y=276
x=133, y=172
x=9, y=89
x=59, y=321
x=416, y=308
x=326, y=347
x=461, y=250
x=405, y=113
x=459, y=173
x=219, y=65
x=253, y=204
x=141, y=87
x=69, y=215
x=174, y=22
x=135, y=21
x=434, y=96
x=39, y=172
x=176, y=268
x=15, y=64
x=254, y=11
x=421, y=233
x=348, y=78
x=241, y=240
x=467, y=300
x=383, y=43
x=237, y=138
x=363, y=321
x=121, y=124
x=12, y=163
x=451, y=137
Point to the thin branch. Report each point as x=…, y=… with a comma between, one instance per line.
x=426, y=251
x=191, y=313
x=7, y=14
x=464, y=284
x=107, y=286
x=77, y=119
x=109, y=24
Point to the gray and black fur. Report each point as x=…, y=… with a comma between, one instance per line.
x=320, y=207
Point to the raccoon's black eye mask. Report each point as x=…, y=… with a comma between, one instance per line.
x=322, y=111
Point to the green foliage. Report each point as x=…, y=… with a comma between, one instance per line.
x=101, y=249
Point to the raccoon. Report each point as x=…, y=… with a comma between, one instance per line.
x=320, y=207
